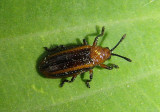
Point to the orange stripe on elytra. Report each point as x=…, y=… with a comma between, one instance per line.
x=71, y=50
x=72, y=69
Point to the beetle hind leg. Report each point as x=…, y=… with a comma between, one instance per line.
x=91, y=77
x=72, y=79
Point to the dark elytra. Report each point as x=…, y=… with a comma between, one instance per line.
x=77, y=60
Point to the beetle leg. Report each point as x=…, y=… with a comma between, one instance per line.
x=54, y=49
x=47, y=49
x=85, y=42
x=73, y=78
x=91, y=77
x=62, y=47
x=109, y=67
x=50, y=50
x=96, y=39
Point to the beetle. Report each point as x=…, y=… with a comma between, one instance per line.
x=70, y=62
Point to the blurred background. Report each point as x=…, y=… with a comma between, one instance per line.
x=26, y=26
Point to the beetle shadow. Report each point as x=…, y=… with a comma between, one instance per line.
x=82, y=78
x=38, y=63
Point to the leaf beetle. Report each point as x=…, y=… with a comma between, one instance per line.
x=71, y=62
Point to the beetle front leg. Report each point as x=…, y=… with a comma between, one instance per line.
x=91, y=77
x=96, y=39
x=109, y=67
x=73, y=78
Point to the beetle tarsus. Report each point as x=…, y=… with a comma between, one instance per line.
x=87, y=83
x=109, y=67
x=85, y=42
x=91, y=77
x=62, y=83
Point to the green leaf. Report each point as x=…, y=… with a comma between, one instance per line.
x=27, y=26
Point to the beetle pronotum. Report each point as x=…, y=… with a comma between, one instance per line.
x=77, y=60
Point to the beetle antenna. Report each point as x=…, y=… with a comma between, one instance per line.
x=119, y=42
x=122, y=57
